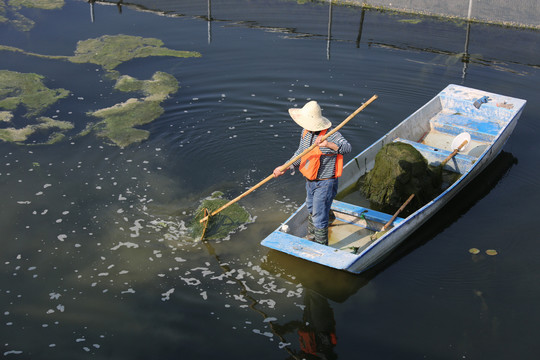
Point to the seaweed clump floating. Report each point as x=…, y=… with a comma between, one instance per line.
x=118, y=122
x=221, y=225
x=27, y=90
x=10, y=11
x=109, y=51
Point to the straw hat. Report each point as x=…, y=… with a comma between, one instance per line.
x=309, y=117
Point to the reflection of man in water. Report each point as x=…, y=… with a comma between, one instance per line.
x=317, y=331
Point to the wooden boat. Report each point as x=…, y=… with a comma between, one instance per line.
x=488, y=118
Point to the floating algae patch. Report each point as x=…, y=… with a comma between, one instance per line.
x=157, y=89
x=119, y=121
x=6, y=116
x=38, y=4
x=3, y=10
x=9, y=11
x=27, y=89
x=223, y=223
x=127, y=83
x=109, y=51
x=411, y=21
x=20, y=135
x=399, y=171
x=28, y=53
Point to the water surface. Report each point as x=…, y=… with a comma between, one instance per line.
x=96, y=259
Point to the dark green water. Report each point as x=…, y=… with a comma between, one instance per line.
x=96, y=260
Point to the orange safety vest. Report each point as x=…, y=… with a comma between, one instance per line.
x=310, y=163
x=308, y=342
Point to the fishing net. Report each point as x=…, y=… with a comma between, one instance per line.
x=223, y=223
x=399, y=171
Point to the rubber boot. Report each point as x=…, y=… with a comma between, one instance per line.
x=310, y=229
x=321, y=236
x=331, y=217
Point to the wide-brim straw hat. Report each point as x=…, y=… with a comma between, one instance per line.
x=310, y=117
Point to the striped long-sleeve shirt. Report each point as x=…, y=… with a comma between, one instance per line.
x=328, y=163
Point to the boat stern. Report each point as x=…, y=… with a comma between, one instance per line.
x=309, y=250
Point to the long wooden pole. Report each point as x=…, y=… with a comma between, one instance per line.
x=292, y=161
x=381, y=232
x=387, y=225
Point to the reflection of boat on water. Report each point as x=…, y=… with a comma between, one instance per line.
x=488, y=118
x=336, y=286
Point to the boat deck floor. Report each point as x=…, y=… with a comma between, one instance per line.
x=348, y=237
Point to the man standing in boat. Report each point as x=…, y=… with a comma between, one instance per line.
x=321, y=167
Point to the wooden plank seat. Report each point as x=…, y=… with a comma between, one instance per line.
x=456, y=123
x=361, y=216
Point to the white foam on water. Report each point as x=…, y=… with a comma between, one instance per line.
x=12, y=352
x=136, y=228
x=266, y=333
x=167, y=295
x=127, y=244
x=164, y=252
x=191, y=281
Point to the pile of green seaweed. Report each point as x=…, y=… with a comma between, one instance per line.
x=399, y=171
